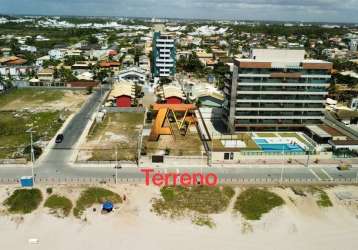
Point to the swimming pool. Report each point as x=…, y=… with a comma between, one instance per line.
x=277, y=147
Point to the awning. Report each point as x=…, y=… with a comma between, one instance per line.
x=318, y=131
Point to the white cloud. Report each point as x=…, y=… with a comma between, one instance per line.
x=309, y=10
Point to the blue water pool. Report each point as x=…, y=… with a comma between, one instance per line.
x=282, y=147
x=261, y=141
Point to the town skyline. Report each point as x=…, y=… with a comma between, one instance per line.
x=280, y=10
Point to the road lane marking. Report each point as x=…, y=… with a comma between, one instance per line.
x=325, y=172
x=314, y=173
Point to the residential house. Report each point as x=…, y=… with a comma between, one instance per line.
x=123, y=94
x=171, y=94
x=46, y=76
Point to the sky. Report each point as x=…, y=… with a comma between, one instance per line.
x=280, y=10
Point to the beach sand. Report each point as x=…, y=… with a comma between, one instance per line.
x=300, y=224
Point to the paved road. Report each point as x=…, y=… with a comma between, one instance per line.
x=78, y=123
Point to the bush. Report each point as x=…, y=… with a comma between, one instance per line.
x=324, y=200
x=253, y=203
x=59, y=204
x=94, y=195
x=49, y=190
x=176, y=201
x=24, y=201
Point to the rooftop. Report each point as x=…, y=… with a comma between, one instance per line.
x=280, y=57
x=277, y=55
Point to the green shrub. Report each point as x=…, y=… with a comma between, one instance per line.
x=24, y=201
x=176, y=200
x=49, y=190
x=253, y=203
x=59, y=203
x=92, y=196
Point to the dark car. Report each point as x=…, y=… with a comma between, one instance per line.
x=59, y=138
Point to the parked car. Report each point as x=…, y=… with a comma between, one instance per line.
x=344, y=167
x=59, y=138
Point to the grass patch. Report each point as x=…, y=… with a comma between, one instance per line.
x=321, y=197
x=13, y=136
x=324, y=200
x=178, y=200
x=203, y=220
x=266, y=134
x=119, y=130
x=253, y=203
x=31, y=96
x=94, y=195
x=24, y=201
x=59, y=204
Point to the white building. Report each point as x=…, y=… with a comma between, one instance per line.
x=28, y=48
x=353, y=44
x=134, y=74
x=57, y=54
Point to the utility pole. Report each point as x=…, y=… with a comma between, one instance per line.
x=32, y=155
x=308, y=157
x=116, y=167
x=283, y=162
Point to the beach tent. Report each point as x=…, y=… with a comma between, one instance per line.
x=107, y=206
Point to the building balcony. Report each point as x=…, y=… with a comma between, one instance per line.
x=163, y=40
x=280, y=117
x=159, y=60
x=323, y=84
x=160, y=45
x=282, y=93
x=278, y=101
x=278, y=109
x=169, y=65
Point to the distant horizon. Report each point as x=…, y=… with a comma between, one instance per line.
x=177, y=18
x=321, y=11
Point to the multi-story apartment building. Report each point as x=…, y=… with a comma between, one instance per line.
x=276, y=89
x=164, y=55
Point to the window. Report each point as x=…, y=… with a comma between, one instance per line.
x=229, y=156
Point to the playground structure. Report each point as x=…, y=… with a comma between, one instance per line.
x=170, y=112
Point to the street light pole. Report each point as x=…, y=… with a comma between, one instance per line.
x=32, y=155
x=308, y=158
x=283, y=162
x=116, y=167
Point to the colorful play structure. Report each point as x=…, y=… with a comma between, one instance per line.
x=170, y=113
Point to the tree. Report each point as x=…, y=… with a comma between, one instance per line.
x=138, y=91
x=112, y=38
x=164, y=80
x=14, y=45
x=93, y=40
x=66, y=75
x=89, y=90
x=71, y=60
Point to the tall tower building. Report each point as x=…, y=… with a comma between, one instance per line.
x=164, y=54
x=276, y=89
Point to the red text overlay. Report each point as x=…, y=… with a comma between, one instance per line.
x=183, y=179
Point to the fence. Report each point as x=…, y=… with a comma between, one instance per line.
x=224, y=181
x=125, y=110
